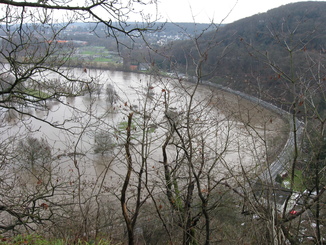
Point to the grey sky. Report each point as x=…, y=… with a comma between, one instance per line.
x=203, y=11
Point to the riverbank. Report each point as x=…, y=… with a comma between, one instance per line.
x=261, y=119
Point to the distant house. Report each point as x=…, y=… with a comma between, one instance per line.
x=143, y=66
x=74, y=42
x=133, y=67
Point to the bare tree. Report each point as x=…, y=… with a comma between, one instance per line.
x=34, y=81
x=33, y=151
x=195, y=143
x=111, y=94
x=286, y=210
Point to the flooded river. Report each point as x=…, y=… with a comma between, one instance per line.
x=94, y=126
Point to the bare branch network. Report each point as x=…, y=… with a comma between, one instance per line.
x=104, y=11
x=169, y=154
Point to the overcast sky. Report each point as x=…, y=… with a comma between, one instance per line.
x=204, y=11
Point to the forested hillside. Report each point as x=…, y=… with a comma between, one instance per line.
x=245, y=49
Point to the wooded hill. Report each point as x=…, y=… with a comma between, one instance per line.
x=258, y=53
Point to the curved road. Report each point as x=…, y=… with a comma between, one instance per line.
x=285, y=157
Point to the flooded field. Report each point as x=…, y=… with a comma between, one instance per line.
x=74, y=155
x=94, y=124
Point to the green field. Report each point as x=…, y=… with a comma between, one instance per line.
x=93, y=50
x=97, y=54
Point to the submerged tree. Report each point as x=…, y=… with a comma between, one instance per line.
x=111, y=94
x=34, y=80
x=34, y=152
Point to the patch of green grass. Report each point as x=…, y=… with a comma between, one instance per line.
x=96, y=54
x=29, y=239
x=298, y=183
x=34, y=239
x=96, y=50
x=37, y=93
x=122, y=126
x=102, y=59
x=151, y=129
x=88, y=52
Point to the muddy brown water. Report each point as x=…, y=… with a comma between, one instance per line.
x=234, y=129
